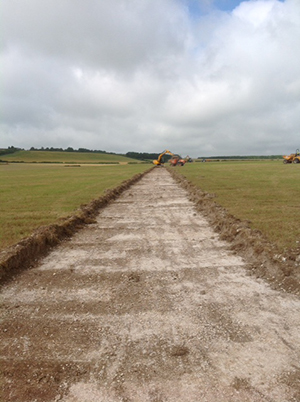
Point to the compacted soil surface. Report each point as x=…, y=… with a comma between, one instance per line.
x=147, y=304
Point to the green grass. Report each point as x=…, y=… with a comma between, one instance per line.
x=266, y=193
x=64, y=157
x=33, y=195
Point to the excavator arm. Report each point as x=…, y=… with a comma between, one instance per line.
x=158, y=161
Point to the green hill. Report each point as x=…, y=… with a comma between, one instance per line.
x=65, y=157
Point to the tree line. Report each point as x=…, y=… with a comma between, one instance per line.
x=9, y=150
x=70, y=149
x=142, y=156
x=240, y=157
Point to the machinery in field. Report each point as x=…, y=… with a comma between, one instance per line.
x=176, y=160
x=159, y=160
x=292, y=158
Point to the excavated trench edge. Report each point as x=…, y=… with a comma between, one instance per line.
x=29, y=251
x=282, y=272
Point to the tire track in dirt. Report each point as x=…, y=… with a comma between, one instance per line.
x=148, y=304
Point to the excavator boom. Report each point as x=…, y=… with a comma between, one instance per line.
x=158, y=161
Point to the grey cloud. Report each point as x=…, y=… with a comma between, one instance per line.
x=117, y=34
x=143, y=75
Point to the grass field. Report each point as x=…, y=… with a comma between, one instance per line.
x=266, y=193
x=32, y=195
x=64, y=157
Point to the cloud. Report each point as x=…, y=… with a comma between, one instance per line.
x=146, y=75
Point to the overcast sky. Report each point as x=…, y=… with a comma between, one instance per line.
x=198, y=77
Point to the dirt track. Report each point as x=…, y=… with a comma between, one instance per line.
x=148, y=304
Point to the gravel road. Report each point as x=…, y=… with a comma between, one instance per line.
x=148, y=304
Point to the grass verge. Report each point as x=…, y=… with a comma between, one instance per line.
x=28, y=251
x=34, y=195
x=265, y=194
x=65, y=157
x=278, y=262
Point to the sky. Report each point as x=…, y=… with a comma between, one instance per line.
x=197, y=77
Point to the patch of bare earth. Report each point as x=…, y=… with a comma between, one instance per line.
x=148, y=303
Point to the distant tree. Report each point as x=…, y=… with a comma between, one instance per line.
x=84, y=150
x=9, y=150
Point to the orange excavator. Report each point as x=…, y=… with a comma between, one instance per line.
x=176, y=160
x=158, y=161
x=292, y=158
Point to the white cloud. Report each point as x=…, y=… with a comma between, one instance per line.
x=144, y=75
